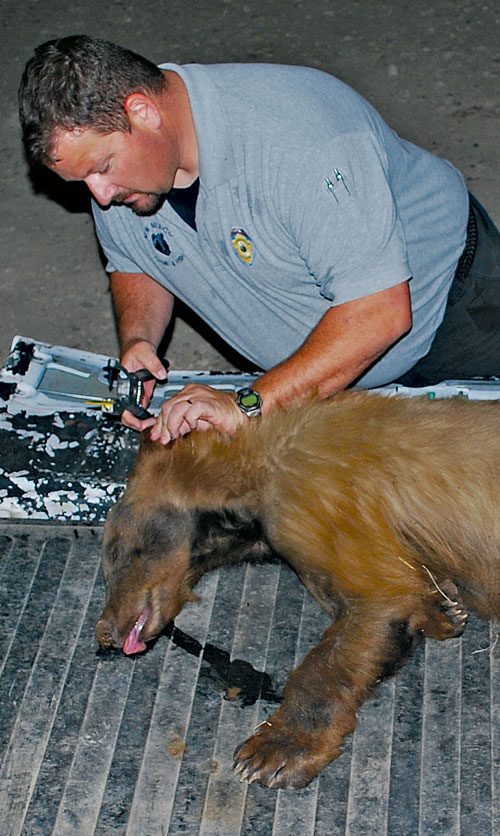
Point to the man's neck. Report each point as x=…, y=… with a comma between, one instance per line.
x=176, y=110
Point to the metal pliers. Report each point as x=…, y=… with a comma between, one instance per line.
x=126, y=390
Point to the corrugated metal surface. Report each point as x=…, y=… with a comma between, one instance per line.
x=96, y=744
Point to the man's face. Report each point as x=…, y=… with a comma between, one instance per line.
x=136, y=168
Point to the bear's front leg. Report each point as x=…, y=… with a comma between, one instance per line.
x=320, y=702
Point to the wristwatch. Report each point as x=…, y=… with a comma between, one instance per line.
x=249, y=401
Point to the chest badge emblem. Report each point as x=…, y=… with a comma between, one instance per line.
x=243, y=245
x=160, y=243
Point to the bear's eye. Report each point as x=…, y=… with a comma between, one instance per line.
x=113, y=554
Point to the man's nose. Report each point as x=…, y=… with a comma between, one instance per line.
x=103, y=191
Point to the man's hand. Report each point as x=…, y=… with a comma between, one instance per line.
x=141, y=354
x=197, y=407
x=143, y=309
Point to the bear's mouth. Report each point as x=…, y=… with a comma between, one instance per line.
x=132, y=643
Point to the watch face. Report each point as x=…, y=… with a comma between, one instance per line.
x=249, y=401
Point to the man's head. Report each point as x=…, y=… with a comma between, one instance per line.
x=93, y=111
x=80, y=82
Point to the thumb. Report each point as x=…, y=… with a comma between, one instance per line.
x=158, y=369
x=149, y=360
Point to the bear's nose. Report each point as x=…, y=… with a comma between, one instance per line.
x=106, y=634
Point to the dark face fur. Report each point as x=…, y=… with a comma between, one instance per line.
x=146, y=566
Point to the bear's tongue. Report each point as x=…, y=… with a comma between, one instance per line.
x=132, y=643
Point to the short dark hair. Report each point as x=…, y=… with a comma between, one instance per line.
x=79, y=81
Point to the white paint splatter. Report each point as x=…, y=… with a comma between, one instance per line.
x=6, y=426
x=53, y=443
x=58, y=506
x=94, y=494
x=10, y=508
x=21, y=482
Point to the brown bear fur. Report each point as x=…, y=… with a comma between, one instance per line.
x=376, y=502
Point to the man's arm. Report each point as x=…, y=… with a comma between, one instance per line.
x=143, y=309
x=347, y=340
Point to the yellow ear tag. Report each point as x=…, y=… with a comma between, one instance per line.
x=243, y=245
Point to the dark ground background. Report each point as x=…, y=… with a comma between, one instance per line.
x=431, y=68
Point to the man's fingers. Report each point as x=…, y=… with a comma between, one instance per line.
x=171, y=422
x=142, y=355
x=197, y=407
x=176, y=418
x=156, y=368
x=135, y=423
x=148, y=388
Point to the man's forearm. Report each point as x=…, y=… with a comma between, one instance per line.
x=343, y=345
x=142, y=307
x=348, y=339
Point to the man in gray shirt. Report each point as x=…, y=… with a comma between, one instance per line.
x=278, y=204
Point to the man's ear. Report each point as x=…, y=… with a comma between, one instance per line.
x=142, y=111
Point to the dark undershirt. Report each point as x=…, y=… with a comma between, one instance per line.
x=183, y=201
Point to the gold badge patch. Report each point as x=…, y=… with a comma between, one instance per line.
x=243, y=245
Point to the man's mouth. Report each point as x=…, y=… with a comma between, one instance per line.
x=132, y=643
x=125, y=197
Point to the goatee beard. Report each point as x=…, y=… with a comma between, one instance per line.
x=152, y=209
x=153, y=205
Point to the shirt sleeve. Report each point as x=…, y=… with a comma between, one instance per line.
x=345, y=222
x=118, y=259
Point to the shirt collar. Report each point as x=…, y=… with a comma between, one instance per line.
x=217, y=159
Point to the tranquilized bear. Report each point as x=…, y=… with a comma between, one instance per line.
x=387, y=508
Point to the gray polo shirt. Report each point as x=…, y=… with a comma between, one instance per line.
x=307, y=200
